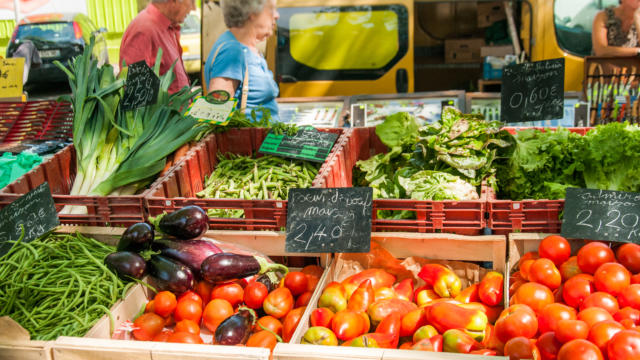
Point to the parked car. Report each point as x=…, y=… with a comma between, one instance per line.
x=190, y=41
x=57, y=37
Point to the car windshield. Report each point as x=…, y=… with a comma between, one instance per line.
x=56, y=32
x=191, y=25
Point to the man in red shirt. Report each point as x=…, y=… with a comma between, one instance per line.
x=158, y=26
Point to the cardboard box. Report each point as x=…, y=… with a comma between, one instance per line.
x=458, y=51
x=490, y=12
x=498, y=51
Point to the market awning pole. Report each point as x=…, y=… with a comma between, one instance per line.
x=512, y=29
x=16, y=9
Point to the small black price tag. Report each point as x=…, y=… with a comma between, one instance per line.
x=34, y=210
x=308, y=144
x=141, y=88
x=329, y=220
x=601, y=215
x=533, y=91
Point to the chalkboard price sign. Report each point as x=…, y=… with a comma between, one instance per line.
x=34, y=210
x=533, y=91
x=141, y=88
x=329, y=220
x=308, y=144
x=602, y=215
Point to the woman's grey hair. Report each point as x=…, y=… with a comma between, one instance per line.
x=237, y=12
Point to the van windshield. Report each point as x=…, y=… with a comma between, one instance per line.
x=52, y=32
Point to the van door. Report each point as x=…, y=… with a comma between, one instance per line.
x=342, y=47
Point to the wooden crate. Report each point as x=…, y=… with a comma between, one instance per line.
x=401, y=245
x=97, y=344
x=15, y=343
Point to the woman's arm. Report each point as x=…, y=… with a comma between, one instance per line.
x=223, y=83
x=600, y=43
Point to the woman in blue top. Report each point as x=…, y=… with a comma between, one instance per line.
x=235, y=64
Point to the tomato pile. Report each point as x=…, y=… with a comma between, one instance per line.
x=236, y=312
x=579, y=307
x=372, y=309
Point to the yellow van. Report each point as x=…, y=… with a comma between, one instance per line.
x=357, y=47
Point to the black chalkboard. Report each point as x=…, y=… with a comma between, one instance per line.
x=329, y=220
x=308, y=144
x=601, y=215
x=141, y=88
x=533, y=91
x=34, y=210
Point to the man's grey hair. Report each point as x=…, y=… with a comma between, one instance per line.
x=237, y=12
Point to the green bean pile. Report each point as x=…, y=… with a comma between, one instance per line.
x=266, y=177
x=58, y=285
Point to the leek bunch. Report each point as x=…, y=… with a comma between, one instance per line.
x=121, y=151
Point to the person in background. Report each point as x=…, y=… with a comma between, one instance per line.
x=615, y=30
x=235, y=64
x=158, y=27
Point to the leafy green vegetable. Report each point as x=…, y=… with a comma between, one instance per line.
x=398, y=130
x=435, y=185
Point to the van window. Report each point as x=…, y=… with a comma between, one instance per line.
x=340, y=43
x=574, y=21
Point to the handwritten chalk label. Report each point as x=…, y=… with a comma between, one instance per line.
x=11, y=72
x=329, y=220
x=35, y=210
x=141, y=88
x=308, y=144
x=533, y=91
x=205, y=110
x=601, y=215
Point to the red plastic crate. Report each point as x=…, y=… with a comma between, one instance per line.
x=459, y=217
x=60, y=171
x=35, y=120
x=507, y=216
x=179, y=187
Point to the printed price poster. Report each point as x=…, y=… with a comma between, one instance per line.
x=11, y=71
x=210, y=111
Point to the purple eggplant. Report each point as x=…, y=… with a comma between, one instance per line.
x=229, y=266
x=169, y=274
x=271, y=279
x=126, y=264
x=189, y=252
x=136, y=238
x=189, y=222
x=236, y=328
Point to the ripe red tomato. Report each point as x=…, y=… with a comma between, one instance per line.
x=548, y=346
x=191, y=295
x=569, y=268
x=347, y=324
x=629, y=256
x=602, y=332
x=314, y=270
x=291, y=322
x=516, y=320
x=579, y=350
x=624, y=345
x=555, y=248
x=263, y=339
x=312, y=282
x=635, y=279
x=187, y=325
x=231, y=292
x=594, y=315
x=567, y=330
x=602, y=300
x=296, y=282
x=535, y=295
x=544, y=272
x=163, y=336
x=576, y=289
x=303, y=299
x=254, y=294
x=628, y=313
x=164, y=303
x=203, y=288
x=278, y=303
x=147, y=326
x=185, y=338
x=552, y=313
x=321, y=317
x=215, y=312
x=630, y=296
x=521, y=348
x=594, y=254
x=525, y=267
x=611, y=278
x=188, y=309
x=270, y=323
